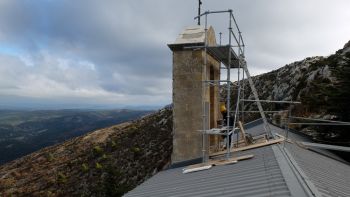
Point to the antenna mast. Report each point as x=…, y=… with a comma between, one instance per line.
x=199, y=11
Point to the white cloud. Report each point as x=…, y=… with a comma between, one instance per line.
x=115, y=51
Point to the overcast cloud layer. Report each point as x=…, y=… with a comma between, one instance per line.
x=114, y=53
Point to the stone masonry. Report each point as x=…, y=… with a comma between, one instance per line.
x=188, y=73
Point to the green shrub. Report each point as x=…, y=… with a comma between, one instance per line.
x=61, y=178
x=49, y=157
x=111, y=185
x=104, y=156
x=114, y=144
x=98, y=150
x=135, y=149
x=84, y=167
x=98, y=166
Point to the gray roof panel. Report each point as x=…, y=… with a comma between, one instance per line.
x=331, y=177
x=259, y=176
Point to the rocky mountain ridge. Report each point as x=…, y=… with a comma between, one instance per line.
x=322, y=84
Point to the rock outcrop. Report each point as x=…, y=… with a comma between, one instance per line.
x=322, y=84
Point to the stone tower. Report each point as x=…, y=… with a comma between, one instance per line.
x=189, y=72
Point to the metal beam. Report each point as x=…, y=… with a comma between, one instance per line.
x=270, y=101
x=211, y=12
x=263, y=111
x=320, y=124
x=326, y=146
x=321, y=120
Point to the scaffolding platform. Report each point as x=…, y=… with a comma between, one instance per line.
x=221, y=53
x=220, y=131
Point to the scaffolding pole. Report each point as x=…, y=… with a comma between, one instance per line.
x=204, y=105
x=271, y=101
x=243, y=96
x=319, y=124
x=321, y=120
x=228, y=90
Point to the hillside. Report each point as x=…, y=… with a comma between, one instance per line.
x=112, y=161
x=104, y=162
x=26, y=131
x=322, y=84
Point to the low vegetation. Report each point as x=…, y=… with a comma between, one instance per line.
x=23, y=132
x=107, y=162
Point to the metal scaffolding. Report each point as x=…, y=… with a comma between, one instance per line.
x=226, y=55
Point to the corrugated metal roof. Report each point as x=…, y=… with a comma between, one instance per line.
x=260, y=176
x=331, y=177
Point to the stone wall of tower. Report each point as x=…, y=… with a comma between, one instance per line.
x=188, y=74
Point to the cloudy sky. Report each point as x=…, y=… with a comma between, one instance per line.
x=87, y=53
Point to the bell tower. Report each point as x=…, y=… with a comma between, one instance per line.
x=191, y=67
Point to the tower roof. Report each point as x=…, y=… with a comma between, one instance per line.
x=194, y=36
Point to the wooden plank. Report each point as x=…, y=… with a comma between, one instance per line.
x=250, y=146
x=224, y=162
x=198, y=165
x=287, y=139
x=241, y=128
x=279, y=135
x=244, y=157
x=195, y=169
x=213, y=162
x=239, y=142
x=231, y=160
x=259, y=145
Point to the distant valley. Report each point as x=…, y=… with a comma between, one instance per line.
x=23, y=132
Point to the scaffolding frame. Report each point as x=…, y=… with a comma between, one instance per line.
x=237, y=61
x=227, y=56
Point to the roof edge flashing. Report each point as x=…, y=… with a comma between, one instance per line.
x=293, y=174
x=187, y=46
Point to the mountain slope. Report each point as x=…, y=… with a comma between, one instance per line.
x=322, y=84
x=102, y=163
x=23, y=132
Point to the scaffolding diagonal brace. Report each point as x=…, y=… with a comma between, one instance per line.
x=258, y=103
